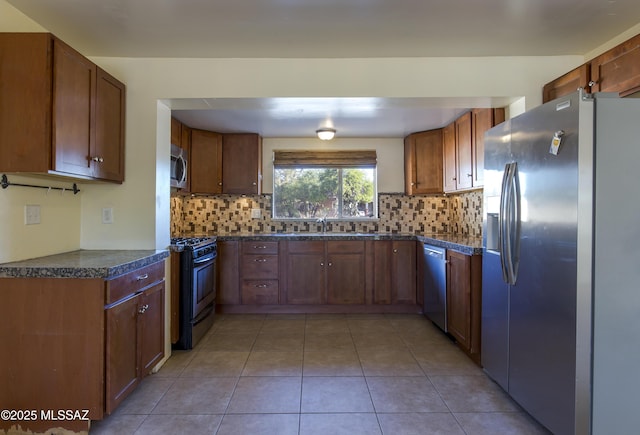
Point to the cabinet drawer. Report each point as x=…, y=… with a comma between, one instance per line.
x=260, y=266
x=259, y=247
x=134, y=281
x=305, y=247
x=255, y=292
x=345, y=247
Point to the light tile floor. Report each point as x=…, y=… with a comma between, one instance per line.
x=320, y=374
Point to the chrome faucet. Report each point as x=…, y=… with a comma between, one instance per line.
x=322, y=221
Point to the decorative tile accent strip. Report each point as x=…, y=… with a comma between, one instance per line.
x=466, y=210
x=398, y=213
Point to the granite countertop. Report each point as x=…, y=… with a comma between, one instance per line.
x=105, y=264
x=465, y=244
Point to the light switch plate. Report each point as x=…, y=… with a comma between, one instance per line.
x=31, y=214
x=256, y=213
x=107, y=215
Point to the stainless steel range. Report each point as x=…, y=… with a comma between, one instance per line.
x=198, y=288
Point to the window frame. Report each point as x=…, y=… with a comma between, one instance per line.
x=341, y=160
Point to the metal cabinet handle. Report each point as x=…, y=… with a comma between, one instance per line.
x=97, y=159
x=395, y=251
x=592, y=83
x=322, y=264
x=469, y=175
x=260, y=260
x=330, y=264
x=143, y=308
x=262, y=285
x=142, y=277
x=259, y=247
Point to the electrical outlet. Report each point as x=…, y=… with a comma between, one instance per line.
x=107, y=215
x=31, y=214
x=256, y=213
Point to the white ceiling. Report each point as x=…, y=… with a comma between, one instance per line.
x=331, y=29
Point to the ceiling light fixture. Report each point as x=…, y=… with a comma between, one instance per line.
x=326, y=133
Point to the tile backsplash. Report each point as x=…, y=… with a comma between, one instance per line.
x=398, y=213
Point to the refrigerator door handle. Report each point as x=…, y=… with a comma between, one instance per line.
x=503, y=221
x=510, y=224
x=514, y=242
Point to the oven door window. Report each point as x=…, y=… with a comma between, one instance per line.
x=204, y=286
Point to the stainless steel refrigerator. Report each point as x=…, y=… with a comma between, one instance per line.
x=561, y=264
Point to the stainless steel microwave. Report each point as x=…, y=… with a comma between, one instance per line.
x=178, y=167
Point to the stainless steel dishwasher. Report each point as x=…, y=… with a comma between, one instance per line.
x=435, y=284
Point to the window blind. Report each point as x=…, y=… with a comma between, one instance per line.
x=310, y=159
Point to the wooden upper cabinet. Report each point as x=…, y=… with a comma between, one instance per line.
x=423, y=162
x=206, y=161
x=59, y=113
x=464, y=175
x=242, y=163
x=74, y=83
x=482, y=120
x=110, y=115
x=449, y=171
x=176, y=132
x=618, y=70
x=185, y=144
x=567, y=84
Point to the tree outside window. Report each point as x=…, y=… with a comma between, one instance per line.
x=318, y=192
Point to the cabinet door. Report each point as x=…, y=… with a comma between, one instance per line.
x=381, y=271
x=567, y=83
x=74, y=84
x=242, y=163
x=176, y=132
x=482, y=120
x=423, y=162
x=25, y=104
x=305, y=273
x=618, y=70
x=121, y=355
x=206, y=162
x=228, y=270
x=464, y=175
x=449, y=158
x=151, y=328
x=403, y=272
x=345, y=272
x=108, y=153
x=459, y=298
x=185, y=144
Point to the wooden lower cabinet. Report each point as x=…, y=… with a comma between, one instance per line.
x=134, y=341
x=228, y=273
x=259, y=269
x=304, y=273
x=317, y=275
x=78, y=343
x=464, y=290
x=345, y=272
x=393, y=271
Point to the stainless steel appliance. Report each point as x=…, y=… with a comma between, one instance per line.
x=435, y=284
x=197, y=288
x=178, y=169
x=561, y=264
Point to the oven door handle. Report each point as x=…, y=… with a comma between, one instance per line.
x=203, y=315
x=204, y=259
